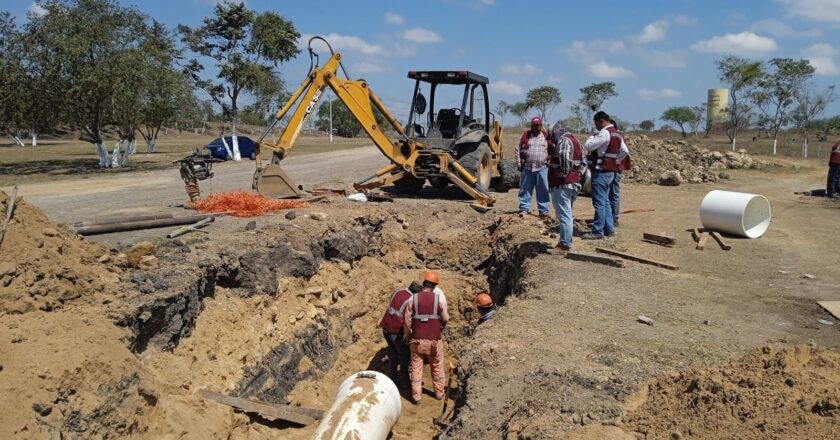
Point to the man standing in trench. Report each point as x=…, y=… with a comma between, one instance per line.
x=425, y=317
x=392, y=329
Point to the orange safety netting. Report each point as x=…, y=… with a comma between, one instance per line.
x=244, y=204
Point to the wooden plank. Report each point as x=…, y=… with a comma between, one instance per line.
x=832, y=307
x=663, y=240
x=701, y=243
x=271, y=411
x=10, y=210
x=723, y=245
x=615, y=262
x=695, y=234
x=637, y=258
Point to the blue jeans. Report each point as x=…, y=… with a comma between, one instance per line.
x=615, y=197
x=563, y=199
x=528, y=181
x=601, y=181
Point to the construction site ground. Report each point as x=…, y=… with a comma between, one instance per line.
x=284, y=312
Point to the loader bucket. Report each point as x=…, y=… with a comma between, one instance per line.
x=274, y=183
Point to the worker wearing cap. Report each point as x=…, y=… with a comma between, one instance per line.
x=531, y=159
x=833, y=186
x=607, y=149
x=486, y=308
x=425, y=317
x=392, y=329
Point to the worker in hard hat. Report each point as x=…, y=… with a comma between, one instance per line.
x=425, y=317
x=485, y=306
x=392, y=329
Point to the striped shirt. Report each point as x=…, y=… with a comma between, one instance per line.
x=536, y=154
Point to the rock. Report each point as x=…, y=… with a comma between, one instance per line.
x=808, y=276
x=670, y=178
x=724, y=176
x=1, y=367
x=104, y=259
x=311, y=311
x=252, y=225
x=43, y=409
x=7, y=268
x=292, y=319
x=138, y=251
x=320, y=216
x=707, y=322
x=121, y=260
x=644, y=320
x=345, y=266
x=50, y=232
x=717, y=155
x=291, y=215
x=149, y=262
x=300, y=315
x=17, y=339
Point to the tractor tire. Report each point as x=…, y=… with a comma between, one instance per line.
x=508, y=176
x=478, y=160
x=409, y=185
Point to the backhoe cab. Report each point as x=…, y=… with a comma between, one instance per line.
x=456, y=141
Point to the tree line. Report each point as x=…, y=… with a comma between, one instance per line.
x=95, y=65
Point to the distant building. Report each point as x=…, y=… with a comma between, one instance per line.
x=717, y=104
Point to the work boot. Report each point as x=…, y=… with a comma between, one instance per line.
x=544, y=215
x=559, y=250
x=610, y=234
x=591, y=236
x=523, y=213
x=615, y=223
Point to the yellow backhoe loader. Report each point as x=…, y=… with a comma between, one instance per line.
x=459, y=143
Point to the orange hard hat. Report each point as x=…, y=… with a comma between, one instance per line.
x=483, y=300
x=432, y=277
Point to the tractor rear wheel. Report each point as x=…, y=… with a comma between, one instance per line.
x=409, y=185
x=478, y=161
x=508, y=176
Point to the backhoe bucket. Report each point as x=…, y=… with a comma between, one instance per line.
x=274, y=183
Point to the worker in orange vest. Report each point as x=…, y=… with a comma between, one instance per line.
x=425, y=317
x=392, y=329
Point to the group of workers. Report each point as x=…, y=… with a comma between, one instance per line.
x=413, y=327
x=553, y=164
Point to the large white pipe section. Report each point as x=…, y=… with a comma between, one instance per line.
x=366, y=407
x=736, y=213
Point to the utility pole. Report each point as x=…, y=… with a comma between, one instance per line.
x=331, y=129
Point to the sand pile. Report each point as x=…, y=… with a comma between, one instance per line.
x=43, y=266
x=770, y=393
x=671, y=162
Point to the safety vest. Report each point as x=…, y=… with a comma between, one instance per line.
x=425, y=322
x=835, y=154
x=556, y=177
x=393, y=321
x=607, y=160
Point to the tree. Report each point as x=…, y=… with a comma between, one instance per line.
x=809, y=105
x=11, y=77
x=344, y=123
x=592, y=97
x=741, y=76
x=679, y=116
x=774, y=94
x=501, y=109
x=245, y=47
x=170, y=102
x=544, y=99
x=572, y=123
x=646, y=125
x=520, y=110
x=699, y=112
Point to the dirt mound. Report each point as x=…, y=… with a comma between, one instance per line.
x=769, y=393
x=43, y=266
x=672, y=162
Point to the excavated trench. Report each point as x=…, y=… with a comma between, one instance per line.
x=285, y=317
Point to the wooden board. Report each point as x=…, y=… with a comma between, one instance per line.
x=832, y=307
x=637, y=258
x=663, y=240
x=270, y=411
x=695, y=234
x=615, y=262
x=701, y=242
x=723, y=245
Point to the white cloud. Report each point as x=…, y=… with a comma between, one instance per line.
x=781, y=29
x=587, y=50
x=554, y=79
x=347, y=43
x=37, y=10
x=743, y=43
x=822, y=57
x=421, y=35
x=816, y=10
x=520, y=69
x=653, y=32
x=395, y=19
x=369, y=67
x=603, y=70
x=652, y=95
x=505, y=87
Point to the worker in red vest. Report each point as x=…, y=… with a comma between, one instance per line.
x=566, y=166
x=606, y=149
x=623, y=165
x=833, y=187
x=425, y=317
x=392, y=329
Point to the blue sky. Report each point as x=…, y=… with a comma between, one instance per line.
x=659, y=53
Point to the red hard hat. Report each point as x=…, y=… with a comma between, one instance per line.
x=483, y=300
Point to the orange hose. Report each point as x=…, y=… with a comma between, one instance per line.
x=245, y=204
